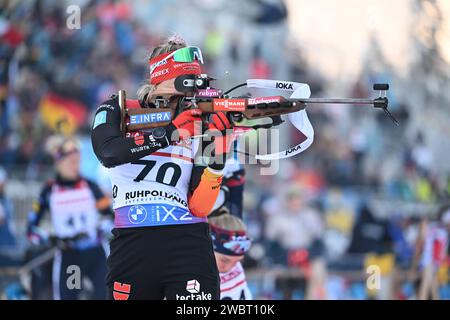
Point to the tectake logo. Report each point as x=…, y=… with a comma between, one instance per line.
x=229, y=104
x=284, y=86
x=137, y=214
x=193, y=286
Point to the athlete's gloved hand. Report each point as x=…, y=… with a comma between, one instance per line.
x=223, y=140
x=36, y=236
x=186, y=122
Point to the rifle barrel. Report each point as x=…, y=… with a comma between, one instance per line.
x=336, y=101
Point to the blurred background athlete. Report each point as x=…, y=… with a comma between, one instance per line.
x=74, y=204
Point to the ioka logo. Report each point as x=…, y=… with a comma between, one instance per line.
x=293, y=149
x=285, y=86
x=229, y=104
x=137, y=214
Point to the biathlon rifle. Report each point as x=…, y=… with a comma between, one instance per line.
x=212, y=100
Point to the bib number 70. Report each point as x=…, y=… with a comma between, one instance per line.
x=161, y=174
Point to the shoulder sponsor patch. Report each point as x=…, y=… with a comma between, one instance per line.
x=106, y=106
x=100, y=118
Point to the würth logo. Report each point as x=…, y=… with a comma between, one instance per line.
x=121, y=291
x=139, y=140
x=193, y=286
x=229, y=104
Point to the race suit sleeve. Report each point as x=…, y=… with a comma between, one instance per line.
x=40, y=207
x=110, y=145
x=204, y=193
x=102, y=202
x=204, y=187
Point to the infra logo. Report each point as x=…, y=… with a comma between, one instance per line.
x=193, y=286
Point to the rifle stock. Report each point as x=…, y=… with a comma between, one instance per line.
x=243, y=108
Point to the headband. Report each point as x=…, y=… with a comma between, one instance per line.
x=230, y=243
x=162, y=68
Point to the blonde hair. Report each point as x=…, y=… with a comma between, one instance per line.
x=58, y=143
x=228, y=222
x=172, y=43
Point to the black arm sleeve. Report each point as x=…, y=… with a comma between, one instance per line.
x=110, y=145
x=40, y=207
x=198, y=169
x=196, y=175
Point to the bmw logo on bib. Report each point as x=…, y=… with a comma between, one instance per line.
x=137, y=214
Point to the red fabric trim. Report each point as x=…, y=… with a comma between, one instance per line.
x=232, y=287
x=172, y=155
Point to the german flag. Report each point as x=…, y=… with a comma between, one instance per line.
x=62, y=114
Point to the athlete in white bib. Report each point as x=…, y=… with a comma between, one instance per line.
x=74, y=205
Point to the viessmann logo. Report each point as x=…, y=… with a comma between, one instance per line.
x=229, y=104
x=193, y=287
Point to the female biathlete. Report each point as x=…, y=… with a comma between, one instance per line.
x=162, y=246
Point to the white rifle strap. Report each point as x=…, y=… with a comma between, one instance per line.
x=299, y=119
x=275, y=84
